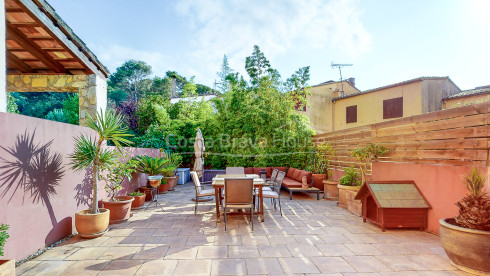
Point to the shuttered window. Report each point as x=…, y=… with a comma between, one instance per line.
x=351, y=114
x=393, y=108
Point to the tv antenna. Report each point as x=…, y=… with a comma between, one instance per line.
x=340, y=65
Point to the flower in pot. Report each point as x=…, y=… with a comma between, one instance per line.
x=139, y=200
x=466, y=238
x=89, y=153
x=7, y=267
x=349, y=185
x=119, y=206
x=366, y=155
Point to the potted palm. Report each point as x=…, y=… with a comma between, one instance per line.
x=349, y=185
x=466, y=238
x=138, y=200
x=175, y=161
x=7, y=267
x=154, y=166
x=89, y=153
x=119, y=206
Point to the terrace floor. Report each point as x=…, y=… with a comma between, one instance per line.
x=313, y=237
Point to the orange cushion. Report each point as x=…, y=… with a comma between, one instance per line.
x=307, y=174
x=249, y=170
x=282, y=169
x=296, y=175
x=290, y=172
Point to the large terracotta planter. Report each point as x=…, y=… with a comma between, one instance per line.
x=120, y=210
x=331, y=191
x=171, y=181
x=138, y=202
x=7, y=267
x=148, y=192
x=318, y=181
x=92, y=225
x=347, y=201
x=468, y=249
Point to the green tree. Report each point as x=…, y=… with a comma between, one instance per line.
x=223, y=84
x=133, y=78
x=258, y=67
x=12, y=106
x=71, y=109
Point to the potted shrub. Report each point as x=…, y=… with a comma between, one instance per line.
x=319, y=162
x=175, y=162
x=7, y=267
x=154, y=166
x=466, y=238
x=349, y=185
x=366, y=155
x=138, y=200
x=119, y=206
x=89, y=153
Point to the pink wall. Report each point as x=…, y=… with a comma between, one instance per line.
x=441, y=185
x=40, y=206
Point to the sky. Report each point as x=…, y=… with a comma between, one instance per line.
x=386, y=41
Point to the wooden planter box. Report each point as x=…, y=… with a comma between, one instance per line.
x=331, y=190
x=347, y=199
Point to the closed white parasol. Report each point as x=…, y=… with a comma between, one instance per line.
x=199, y=152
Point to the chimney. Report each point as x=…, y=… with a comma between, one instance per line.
x=173, y=87
x=352, y=81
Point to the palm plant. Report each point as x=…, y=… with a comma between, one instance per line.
x=152, y=165
x=89, y=152
x=474, y=209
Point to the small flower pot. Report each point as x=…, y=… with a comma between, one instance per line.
x=331, y=191
x=148, y=192
x=120, y=210
x=163, y=188
x=138, y=202
x=172, y=181
x=92, y=225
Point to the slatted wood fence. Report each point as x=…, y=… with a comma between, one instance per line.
x=457, y=136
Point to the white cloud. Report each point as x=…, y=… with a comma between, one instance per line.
x=114, y=56
x=232, y=27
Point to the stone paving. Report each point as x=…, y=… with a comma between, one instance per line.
x=312, y=238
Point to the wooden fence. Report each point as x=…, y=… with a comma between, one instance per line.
x=457, y=136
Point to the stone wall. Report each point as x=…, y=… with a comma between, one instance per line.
x=84, y=85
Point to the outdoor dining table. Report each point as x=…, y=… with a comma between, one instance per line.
x=219, y=184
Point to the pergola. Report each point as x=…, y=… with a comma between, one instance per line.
x=43, y=54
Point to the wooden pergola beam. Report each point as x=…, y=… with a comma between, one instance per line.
x=14, y=34
x=15, y=62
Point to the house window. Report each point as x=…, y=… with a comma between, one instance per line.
x=393, y=108
x=351, y=114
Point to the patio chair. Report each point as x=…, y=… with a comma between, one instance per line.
x=239, y=195
x=235, y=170
x=275, y=194
x=200, y=192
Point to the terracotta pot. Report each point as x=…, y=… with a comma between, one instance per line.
x=331, y=191
x=468, y=249
x=347, y=201
x=172, y=181
x=7, y=267
x=317, y=182
x=120, y=210
x=163, y=188
x=148, y=192
x=138, y=202
x=92, y=225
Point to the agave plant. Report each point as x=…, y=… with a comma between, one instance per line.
x=89, y=152
x=152, y=165
x=474, y=209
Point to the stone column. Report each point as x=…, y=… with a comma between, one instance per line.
x=92, y=97
x=3, y=61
